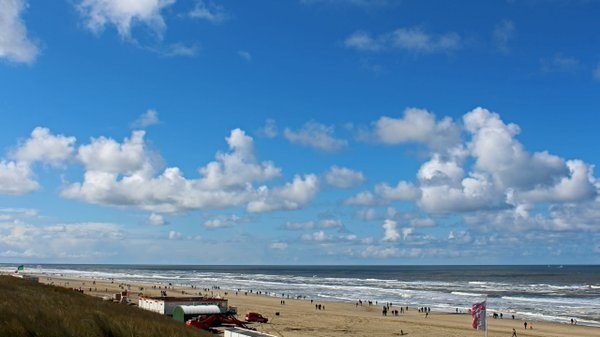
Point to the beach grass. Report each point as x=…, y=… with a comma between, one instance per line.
x=29, y=309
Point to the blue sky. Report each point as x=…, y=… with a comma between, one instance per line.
x=299, y=132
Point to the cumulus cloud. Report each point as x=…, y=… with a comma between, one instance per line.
x=343, y=177
x=42, y=146
x=365, y=198
x=156, y=220
x=319, y=236
x=148, y=118
x=290, y=196
x=16, y=178
x=403, y=191
x=69, y=240
x=417, y=126
x=410, y=39
x=209, y=11
x=174, y=235
x=503, y=33
x=331, y=223
x=390, y=231
x=221, y=222
x=124, y=14
x=15, y=45
x=125, y=174
x=316, y=135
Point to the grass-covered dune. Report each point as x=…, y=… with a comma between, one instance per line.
x=29, y=309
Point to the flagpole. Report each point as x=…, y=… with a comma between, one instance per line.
x=485, y=315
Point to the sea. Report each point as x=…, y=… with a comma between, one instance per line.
x=544, y=293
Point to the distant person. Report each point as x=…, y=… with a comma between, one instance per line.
x=514, y=333
x=525, y=325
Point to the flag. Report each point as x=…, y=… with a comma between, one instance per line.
x=21, y=268
x=478, y=314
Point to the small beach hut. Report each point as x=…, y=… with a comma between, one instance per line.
x=182, y=313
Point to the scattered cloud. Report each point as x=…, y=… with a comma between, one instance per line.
x=316, y=135
x=209, y=11
x=174, y=235
x=390, y=231
x=343, y=177
x=42, y=146
x=362, y=198
x=294, y=226
x=148, y=118
x=15, y=45
x=157, y=220
x=402, y=191
x=417, y=126
x=560, y=64
x=179, y=49
x=269, y=130
x=412, y=39
x=245, y=55
x=16, y=178
x=278, y=246
x=503, y=33
x=123, y=15
x=221, y=222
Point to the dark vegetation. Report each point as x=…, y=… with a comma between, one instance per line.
x=29, y=309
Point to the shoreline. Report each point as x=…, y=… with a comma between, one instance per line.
x=298, y=317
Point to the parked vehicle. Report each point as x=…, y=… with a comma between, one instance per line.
x=255, y=317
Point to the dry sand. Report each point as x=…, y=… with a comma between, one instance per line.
x=300, y=318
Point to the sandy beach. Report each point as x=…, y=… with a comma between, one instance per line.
x=300, y=318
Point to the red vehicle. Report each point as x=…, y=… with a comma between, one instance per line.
x=255, y=317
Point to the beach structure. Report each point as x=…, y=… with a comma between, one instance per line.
x=239, y=332
x=182, y=313
x=166, y=305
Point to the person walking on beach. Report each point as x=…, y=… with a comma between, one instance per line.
x=525, y=325
x=514, y=333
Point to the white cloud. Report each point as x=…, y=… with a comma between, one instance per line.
x=402, y=191
x=245, y=55
x=173, y=235
x=208, y=11
x=16, y=178
x=560, y=64
x=299, y=225
x=156, y=220
x=406, y=232
x=15, y=46
x=417, y=126
x=123, y=174
x=148, y=118
x=390, y=231
x=179, y=49
x=105, y=155
x=290, y=196
x=319, y=236
x=363, y=198
x=124, y=14
x=497, y=152
x=316, y=135
x=411, y=39
x=363, y=41
x=331, y=223
x=45, y=147
x=502, y=34
x=343, y=177
x=269, y=130
x=221, y=222
x=278, y=245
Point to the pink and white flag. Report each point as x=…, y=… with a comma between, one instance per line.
x=478, y=314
